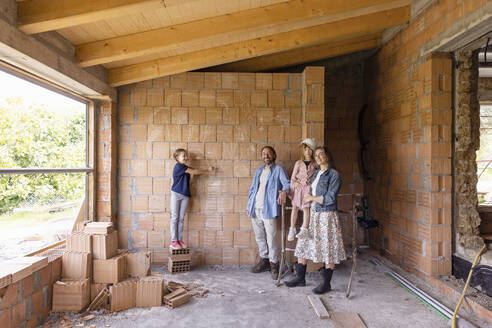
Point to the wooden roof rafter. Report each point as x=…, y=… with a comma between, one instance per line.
x=36, y=16
x=304, y=55
x=311, y=36
x=227, y=29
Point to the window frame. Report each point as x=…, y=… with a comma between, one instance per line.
x=89, y=169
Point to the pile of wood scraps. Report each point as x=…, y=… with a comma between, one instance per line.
x=340, y=319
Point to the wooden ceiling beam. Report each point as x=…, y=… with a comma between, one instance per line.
x=226, y=29
x=36, y=16
x=303, y=55
x=353, y=27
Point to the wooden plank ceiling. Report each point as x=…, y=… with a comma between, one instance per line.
x=143, y=39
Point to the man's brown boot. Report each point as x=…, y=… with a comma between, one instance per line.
x=262, y=266
x=274, y=270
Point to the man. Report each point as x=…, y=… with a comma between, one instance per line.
x=269, y=189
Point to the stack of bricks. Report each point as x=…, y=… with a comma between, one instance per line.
x=223, y=119
x=27, y=302
x=179, y=260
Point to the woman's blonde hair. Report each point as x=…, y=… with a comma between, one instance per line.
x=178, y=152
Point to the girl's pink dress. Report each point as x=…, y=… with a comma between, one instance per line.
x=302, y=175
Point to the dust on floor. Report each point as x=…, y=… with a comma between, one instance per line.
x=238, y=298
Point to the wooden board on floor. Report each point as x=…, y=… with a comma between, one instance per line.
x=318, y=307
x=347, y=320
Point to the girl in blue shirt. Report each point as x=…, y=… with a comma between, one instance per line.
x=180, y=195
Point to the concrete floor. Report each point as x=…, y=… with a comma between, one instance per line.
x=238, y=298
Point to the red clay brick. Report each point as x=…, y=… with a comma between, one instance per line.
x=6, y=318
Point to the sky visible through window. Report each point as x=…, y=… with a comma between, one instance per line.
x=31, y=93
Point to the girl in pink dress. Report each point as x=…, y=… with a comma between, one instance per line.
x=300, y=183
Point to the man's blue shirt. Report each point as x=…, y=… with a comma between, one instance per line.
x=277, y=181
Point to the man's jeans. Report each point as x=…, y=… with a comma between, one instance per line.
x=178, y=208
x=266, y=236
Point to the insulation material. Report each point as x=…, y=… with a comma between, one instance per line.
x=79, y=242
x=110, y=271
x=467, y=142
x=71, y=296
x=104, y=246
x=149, y=291
x=76, y=265
x=123, y=295
x=138, y=264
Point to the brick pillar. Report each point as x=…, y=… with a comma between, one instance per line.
x=106, y=169
x=313, y=103
x=436, y=229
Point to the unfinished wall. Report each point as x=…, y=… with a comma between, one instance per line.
x=467, y=142
x=411, y=136
x=223, y=119
x=410, y=149
x=27, y=302
x=343, y=101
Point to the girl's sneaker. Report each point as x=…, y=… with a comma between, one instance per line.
x=303, y=234
x=175, y=245
x=292, y=234
x=183, y=245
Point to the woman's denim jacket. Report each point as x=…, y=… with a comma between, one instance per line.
x=328, y=186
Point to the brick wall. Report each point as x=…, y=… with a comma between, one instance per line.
x=27, y=302
x=223, y=119
x=410, y=151
x=106, y=161
x=343, y=101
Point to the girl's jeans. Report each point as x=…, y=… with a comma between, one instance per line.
x=178, y=208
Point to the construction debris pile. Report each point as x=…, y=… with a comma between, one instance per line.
x=96, y=274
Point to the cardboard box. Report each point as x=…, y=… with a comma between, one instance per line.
x=71, y=296
x=123, y=295
x=79, y=242
x=138, y=264
x=149, y=291
x=110, y=271
x=96, y=289
x=76, y=266
x=104, y=246
x=102, y=228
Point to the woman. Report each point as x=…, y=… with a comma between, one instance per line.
x=325, y=244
